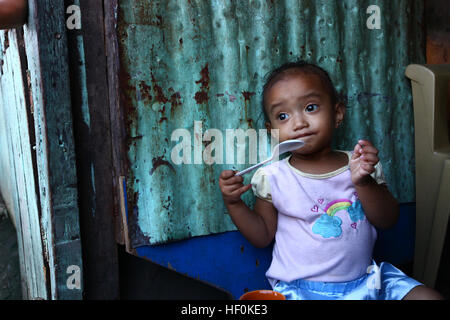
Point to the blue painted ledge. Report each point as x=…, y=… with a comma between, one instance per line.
x=230, y=262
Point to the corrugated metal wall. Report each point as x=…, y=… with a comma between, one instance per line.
x=187, y=61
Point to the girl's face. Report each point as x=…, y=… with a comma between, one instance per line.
x=300, y=107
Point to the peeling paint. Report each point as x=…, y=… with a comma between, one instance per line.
x=159, y=161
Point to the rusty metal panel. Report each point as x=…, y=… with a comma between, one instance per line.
x=205, y=61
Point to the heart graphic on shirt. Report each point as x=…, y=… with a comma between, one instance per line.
x=320, y=201
x=315, y=208
x=353, y=225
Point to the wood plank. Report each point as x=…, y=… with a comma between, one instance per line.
x=47, y=56
x=89, y=88
x=116, y=112
x=24, y=193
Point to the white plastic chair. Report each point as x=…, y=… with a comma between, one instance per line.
x=432, y=151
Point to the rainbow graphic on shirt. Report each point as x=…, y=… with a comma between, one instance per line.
x=337, y=205
x=329, y=226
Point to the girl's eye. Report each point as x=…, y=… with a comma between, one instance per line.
x=282, y=116
x=311, y=108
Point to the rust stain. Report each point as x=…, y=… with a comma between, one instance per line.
x=163, y=110
x=175, y=100
x=159, y=95
x=145, y=90
x=202, y=95
x=232, y=97
x=167, y=206
x=204, y=81
x=144, y=18
x=160, y=20
x=158, y=162
x=247, y=95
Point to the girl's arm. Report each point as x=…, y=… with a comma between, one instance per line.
x=13, y=13
x=379, y=205
x=258, y=226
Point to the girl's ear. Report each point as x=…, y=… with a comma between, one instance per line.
x=339, y=111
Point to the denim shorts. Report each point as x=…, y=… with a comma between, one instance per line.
x=383, y=282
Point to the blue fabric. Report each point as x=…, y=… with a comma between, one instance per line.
x=383, y=282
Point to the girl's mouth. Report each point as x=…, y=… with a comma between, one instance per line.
x=302, y=136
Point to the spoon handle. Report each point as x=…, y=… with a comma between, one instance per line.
x=253, y=167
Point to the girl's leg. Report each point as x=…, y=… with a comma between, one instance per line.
x=423, y=293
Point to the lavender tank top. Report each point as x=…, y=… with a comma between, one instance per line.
x=322, y=232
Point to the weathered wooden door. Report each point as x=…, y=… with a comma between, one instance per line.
x=37, y=158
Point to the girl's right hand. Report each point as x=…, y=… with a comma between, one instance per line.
x=232, y=187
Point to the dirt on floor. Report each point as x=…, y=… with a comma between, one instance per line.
x=10, y=288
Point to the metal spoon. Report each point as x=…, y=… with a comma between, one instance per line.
x=278, y=150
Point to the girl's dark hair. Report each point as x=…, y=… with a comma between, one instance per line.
x=303, y=67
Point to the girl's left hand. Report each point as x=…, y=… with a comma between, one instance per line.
x=363, y=161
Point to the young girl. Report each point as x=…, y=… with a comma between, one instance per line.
x=321, y=205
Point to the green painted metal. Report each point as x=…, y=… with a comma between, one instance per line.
x=187, y=61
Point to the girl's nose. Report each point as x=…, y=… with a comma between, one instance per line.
x=300, y=122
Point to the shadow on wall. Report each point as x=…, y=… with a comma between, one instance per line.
x=10, y=288
x=143, y=280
